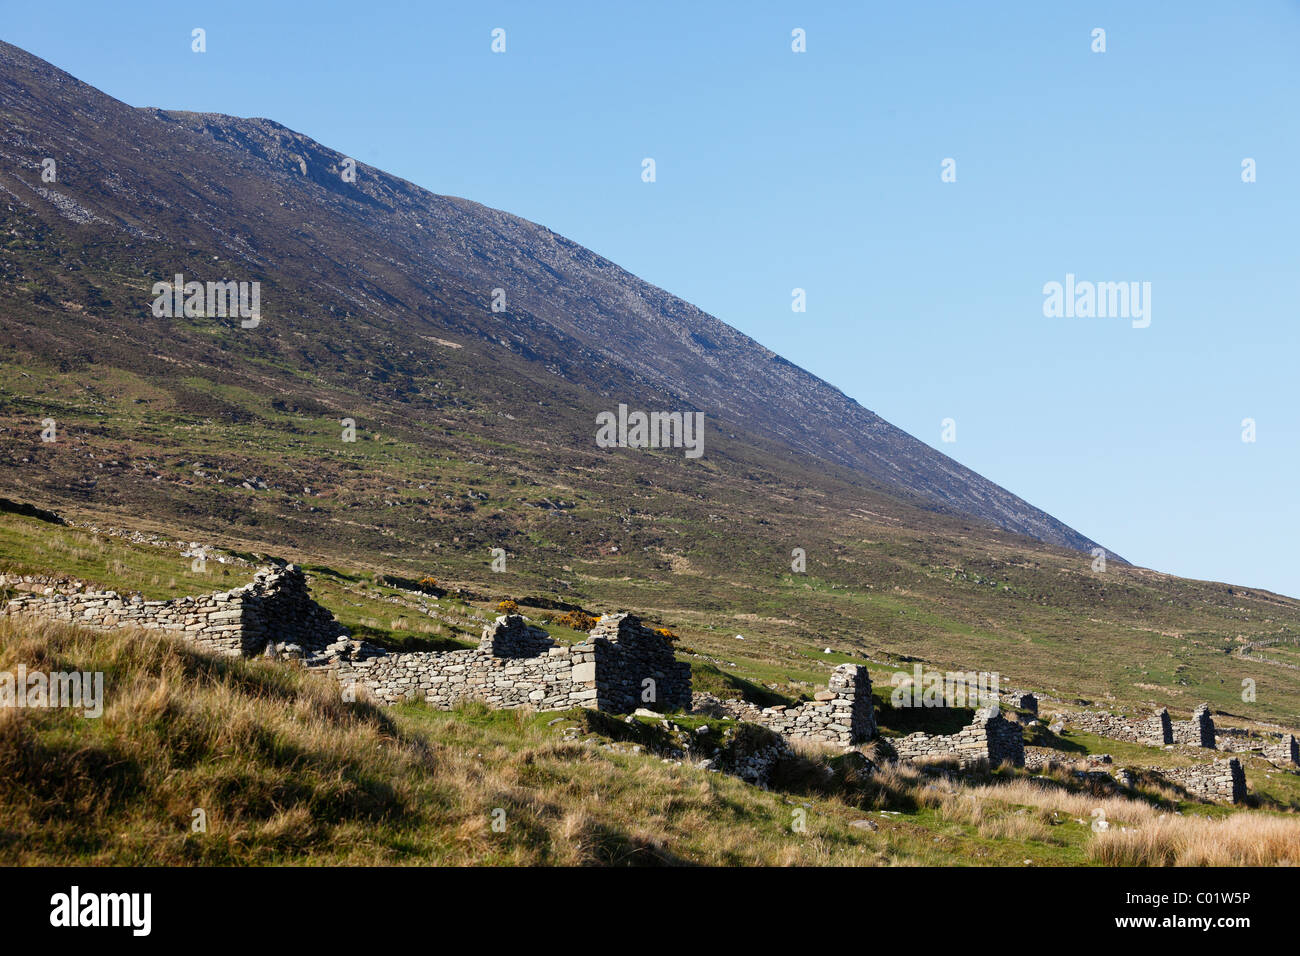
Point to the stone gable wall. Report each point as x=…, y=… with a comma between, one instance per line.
x=1197, y=732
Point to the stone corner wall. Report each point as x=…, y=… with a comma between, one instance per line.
x=635, y=667
x=1286, y=751
x=274, y=608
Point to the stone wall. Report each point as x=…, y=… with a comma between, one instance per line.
x=627, y=655
x=989, y=737
x=621, y=666
x=842, y=714
x=1023, y=701
x=1223, y=781
x=517, y=664
x=1286, y=751
x=274, y=607
x=1279, y=748
x=1156, y=730
x=1197, y=732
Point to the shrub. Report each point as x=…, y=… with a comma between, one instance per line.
x=507, y=607
x=577, y=620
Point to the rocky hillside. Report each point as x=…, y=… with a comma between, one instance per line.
x=379, y=279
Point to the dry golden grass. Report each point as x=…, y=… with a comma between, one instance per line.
x=1044, y=796
x=286, y=771
x=1242, y=839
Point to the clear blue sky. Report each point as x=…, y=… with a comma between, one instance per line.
x=822, y=171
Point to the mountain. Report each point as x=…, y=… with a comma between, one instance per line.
x=366, y=278
x=381, y=423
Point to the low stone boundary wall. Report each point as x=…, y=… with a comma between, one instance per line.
x=989, y=737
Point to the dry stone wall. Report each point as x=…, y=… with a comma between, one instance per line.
x=842, y=714
x=1223, y=781
x=1286, y=751
x=622, y=665
x=1280, y=748
x=274, y=607
x=1197, y=732
x=989, y=737
x=1156, y=730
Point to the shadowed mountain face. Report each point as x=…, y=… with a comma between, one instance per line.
x=377, y=289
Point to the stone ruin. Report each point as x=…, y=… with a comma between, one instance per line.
x=1285, y=751
x=1154, y=731
x=1279, y=748
x=621, y=666
x=1223, y=781
x=1197, y=732
x=842, y=714
x=990, y=736
x=275, y=606
x=1158, y=730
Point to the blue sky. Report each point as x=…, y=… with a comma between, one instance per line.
x=821, y=171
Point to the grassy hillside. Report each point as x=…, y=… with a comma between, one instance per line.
x=873, y=592
x=286, y=773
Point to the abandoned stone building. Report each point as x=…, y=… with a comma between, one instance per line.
x=621, y=666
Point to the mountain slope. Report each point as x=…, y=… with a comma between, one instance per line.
x=367, y=272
